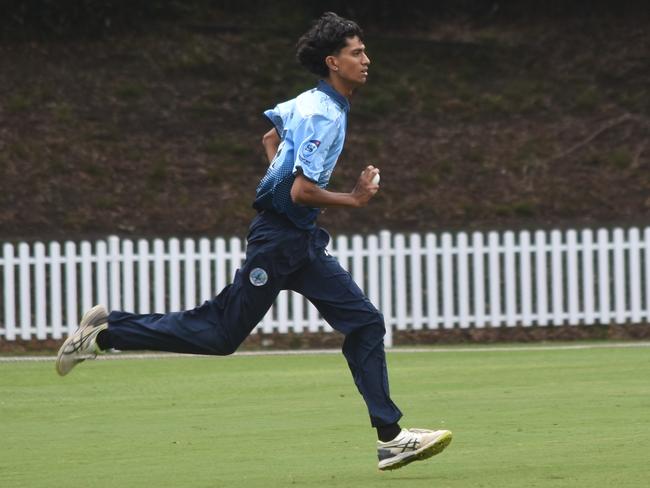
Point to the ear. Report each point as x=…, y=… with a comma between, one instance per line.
x=332, y=63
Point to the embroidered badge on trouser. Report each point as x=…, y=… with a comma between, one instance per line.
x=258, y=277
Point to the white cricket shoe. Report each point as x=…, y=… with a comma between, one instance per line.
x=82, y=344
x=411, y=445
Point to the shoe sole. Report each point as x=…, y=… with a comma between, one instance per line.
x=92, y=318
x=425, y=452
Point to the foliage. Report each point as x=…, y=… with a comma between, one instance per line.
x=507, y=124
x=79, y=18
x=28, y=19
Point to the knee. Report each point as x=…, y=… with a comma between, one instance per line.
x=375, y=328
x=378, y=324
x=366, y=338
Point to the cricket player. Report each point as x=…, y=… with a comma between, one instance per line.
x=287, y=250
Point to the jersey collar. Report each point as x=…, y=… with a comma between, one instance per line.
x=334, y=95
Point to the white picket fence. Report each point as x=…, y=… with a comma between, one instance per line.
x=418, y=281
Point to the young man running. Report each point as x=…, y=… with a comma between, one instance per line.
x=286, y=250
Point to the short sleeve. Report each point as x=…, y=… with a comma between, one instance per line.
x=312, y=140
x=274, y=116
x=279, y=114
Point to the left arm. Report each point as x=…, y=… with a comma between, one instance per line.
x=271, y=141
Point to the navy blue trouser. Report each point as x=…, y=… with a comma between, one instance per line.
x=279, y=257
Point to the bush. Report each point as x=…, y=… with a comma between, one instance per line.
x=29, y=19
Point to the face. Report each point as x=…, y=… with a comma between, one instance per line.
x=351, y=63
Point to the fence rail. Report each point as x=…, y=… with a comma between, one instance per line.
x=418, y=281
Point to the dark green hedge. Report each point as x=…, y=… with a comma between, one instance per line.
x=29, y=19
x=80, y=18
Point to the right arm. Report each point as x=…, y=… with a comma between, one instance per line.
x=306, y=192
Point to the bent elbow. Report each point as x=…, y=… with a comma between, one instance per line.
x=301, y=195
x=296, y=195
x=303, y=191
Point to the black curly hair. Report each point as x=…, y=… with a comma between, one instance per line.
x=327, y=36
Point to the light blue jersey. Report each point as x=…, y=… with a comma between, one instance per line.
x=312, y=131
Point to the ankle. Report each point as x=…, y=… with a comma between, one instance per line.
x=387, y=433
x=102, y=341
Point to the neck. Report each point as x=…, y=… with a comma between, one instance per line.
x=340, y=86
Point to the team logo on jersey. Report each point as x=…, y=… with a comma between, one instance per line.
x=258, y=277
x=309, y=148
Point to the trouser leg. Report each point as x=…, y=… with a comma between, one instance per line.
x=218, y=326
x=345, y=307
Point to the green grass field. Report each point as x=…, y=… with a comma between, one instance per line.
x=541, y=418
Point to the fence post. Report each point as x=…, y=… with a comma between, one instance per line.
x=71, y=305
x=40, y=295
x=297, y=312
x=447, y=281
x=646, y=254
x=619, y=276
x=114, y=267
x=236, y=256
x=190, y=274
x=206, y=292
x=56, y=311
x=401, y=319
x=479, y=279
x=9, y=292
x=87, y=277
x=603, y=277
x=588, y=276
x=373, y=270
x=174, y=283
x=283, y=311
x=144, y=299
x=510, y=278
x=495, y=279
x=25, y=292
x=463, y=280
x=557, y=278
x=386, y=285
x=416, y=280
x=541, y=278
x=432, y=280
x=357, y=262
x=572, y=277
x=635, y=275
x=525, y=282
x=159, y=276
x=128, y=285
x=219, y=265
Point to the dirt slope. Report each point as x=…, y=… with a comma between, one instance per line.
x=497, y=126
